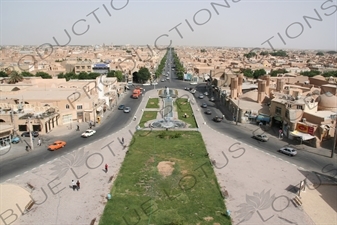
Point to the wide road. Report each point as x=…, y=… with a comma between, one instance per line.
x=114, y=122
x=311, y=161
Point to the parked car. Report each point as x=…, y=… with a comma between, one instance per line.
x=288, y=151
x=57, y=145
x=204, y=105
x=193, y=91
x=27, y=134
x=217, y=119
x=167, y=78
x=162, y=80
x=15, y=140
x=206, y=93
x=121, y=107
x=261, y=137
x=212, y=99
x=208, y=112
x=88, y=133
x=127, y=109
x=201, y=96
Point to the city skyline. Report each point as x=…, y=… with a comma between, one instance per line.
x=293, y=25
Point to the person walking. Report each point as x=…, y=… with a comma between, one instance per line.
x=106, y=168
x=78, y=184
x=39, y=142
x=73, y=185
x=78, y=128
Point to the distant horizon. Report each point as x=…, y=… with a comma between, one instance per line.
x=179, y=46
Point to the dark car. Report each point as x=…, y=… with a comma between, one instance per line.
x=217, y=119
x=204, y=105
x=27, y=134
x=121, y=107
x=208, y=112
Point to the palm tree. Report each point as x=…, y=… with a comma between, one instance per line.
x=15, y=77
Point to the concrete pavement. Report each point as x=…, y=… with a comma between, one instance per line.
x=259, y=186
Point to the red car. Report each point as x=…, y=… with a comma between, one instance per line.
x=57, y=145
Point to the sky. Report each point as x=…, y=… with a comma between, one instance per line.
x=245, y=23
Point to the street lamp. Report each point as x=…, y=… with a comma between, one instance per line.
x=335, y=136
x=29, y=123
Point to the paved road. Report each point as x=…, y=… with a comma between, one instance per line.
x=115, y=121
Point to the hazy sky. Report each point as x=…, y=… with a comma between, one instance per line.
x=246, y=23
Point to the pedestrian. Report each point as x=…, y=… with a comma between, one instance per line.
x=73, y=185
x=78, y=184
x=106, y=168
x=78, y=128
x=122, y=140
x=39, y=142
x=260, y=124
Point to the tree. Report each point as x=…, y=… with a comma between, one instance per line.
x=15, y=77
x=83, y=76
x=250, y=55
x=310, y=73
x=119, y=75
x=330, y=74
x=280, y=53
x=143, y=74
x=320, y=53
x=67, y=76
x=264, y=53
x=247, y=72
x=43, y=75
x=3, y=74
x=258, y=73
x=26, y=74
x=274, y=73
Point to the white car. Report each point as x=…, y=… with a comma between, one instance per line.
x=167, y=78
x=193, y=91
x=193, y=83
x=206, y=93
x=88, y=133
x=146, y=84
x=288, y=151
x=127, y=109
x=154, y=83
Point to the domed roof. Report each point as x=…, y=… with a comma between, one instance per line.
x=319, y=77
x=327, y=101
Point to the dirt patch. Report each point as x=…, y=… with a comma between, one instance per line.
x=165, y=168
x=208, y=218
x=183, y=103
x=148, y=116
x=151, y=103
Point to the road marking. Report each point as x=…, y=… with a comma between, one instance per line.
x=293, y=164
x=301, y=168
x=287, y=162
x=41, y=165
x=25, y=172
x=34, y=168
x=267, y=153
x=50, y=161
x=16, y=176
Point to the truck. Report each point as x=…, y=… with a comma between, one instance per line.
x=136, y=92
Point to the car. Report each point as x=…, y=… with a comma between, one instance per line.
x=167, y=78
x=217, y=119
x=162, y=80
x=57, y=145
x=288, y=151
x=212, y=99
x=127, y=109
x=204, y=105
x=201, y=96
x=261, y=137
x=27, y=134
x=88, y=133
x=193, y=91
x=206, y=93
x=121, y=107
x=208, y=112
x=154, y=83
x=193, y=83
x=146, y=84
x=15, y=140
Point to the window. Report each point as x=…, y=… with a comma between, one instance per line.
x=278, y=110
x=300, y=107
x=289, y=105
x=79, y=107
x=67, y=106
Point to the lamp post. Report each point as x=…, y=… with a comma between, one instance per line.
x=29, y=123
x=237, y=111
x=335, y=136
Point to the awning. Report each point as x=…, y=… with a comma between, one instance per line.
x=263, y=118
x=304, y=136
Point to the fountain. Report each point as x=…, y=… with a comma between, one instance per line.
x=167, y=114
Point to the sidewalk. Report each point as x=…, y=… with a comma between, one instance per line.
x=251, y=185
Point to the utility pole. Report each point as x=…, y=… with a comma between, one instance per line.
x=335, y=136
x=237, y=111
x=30, y=133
